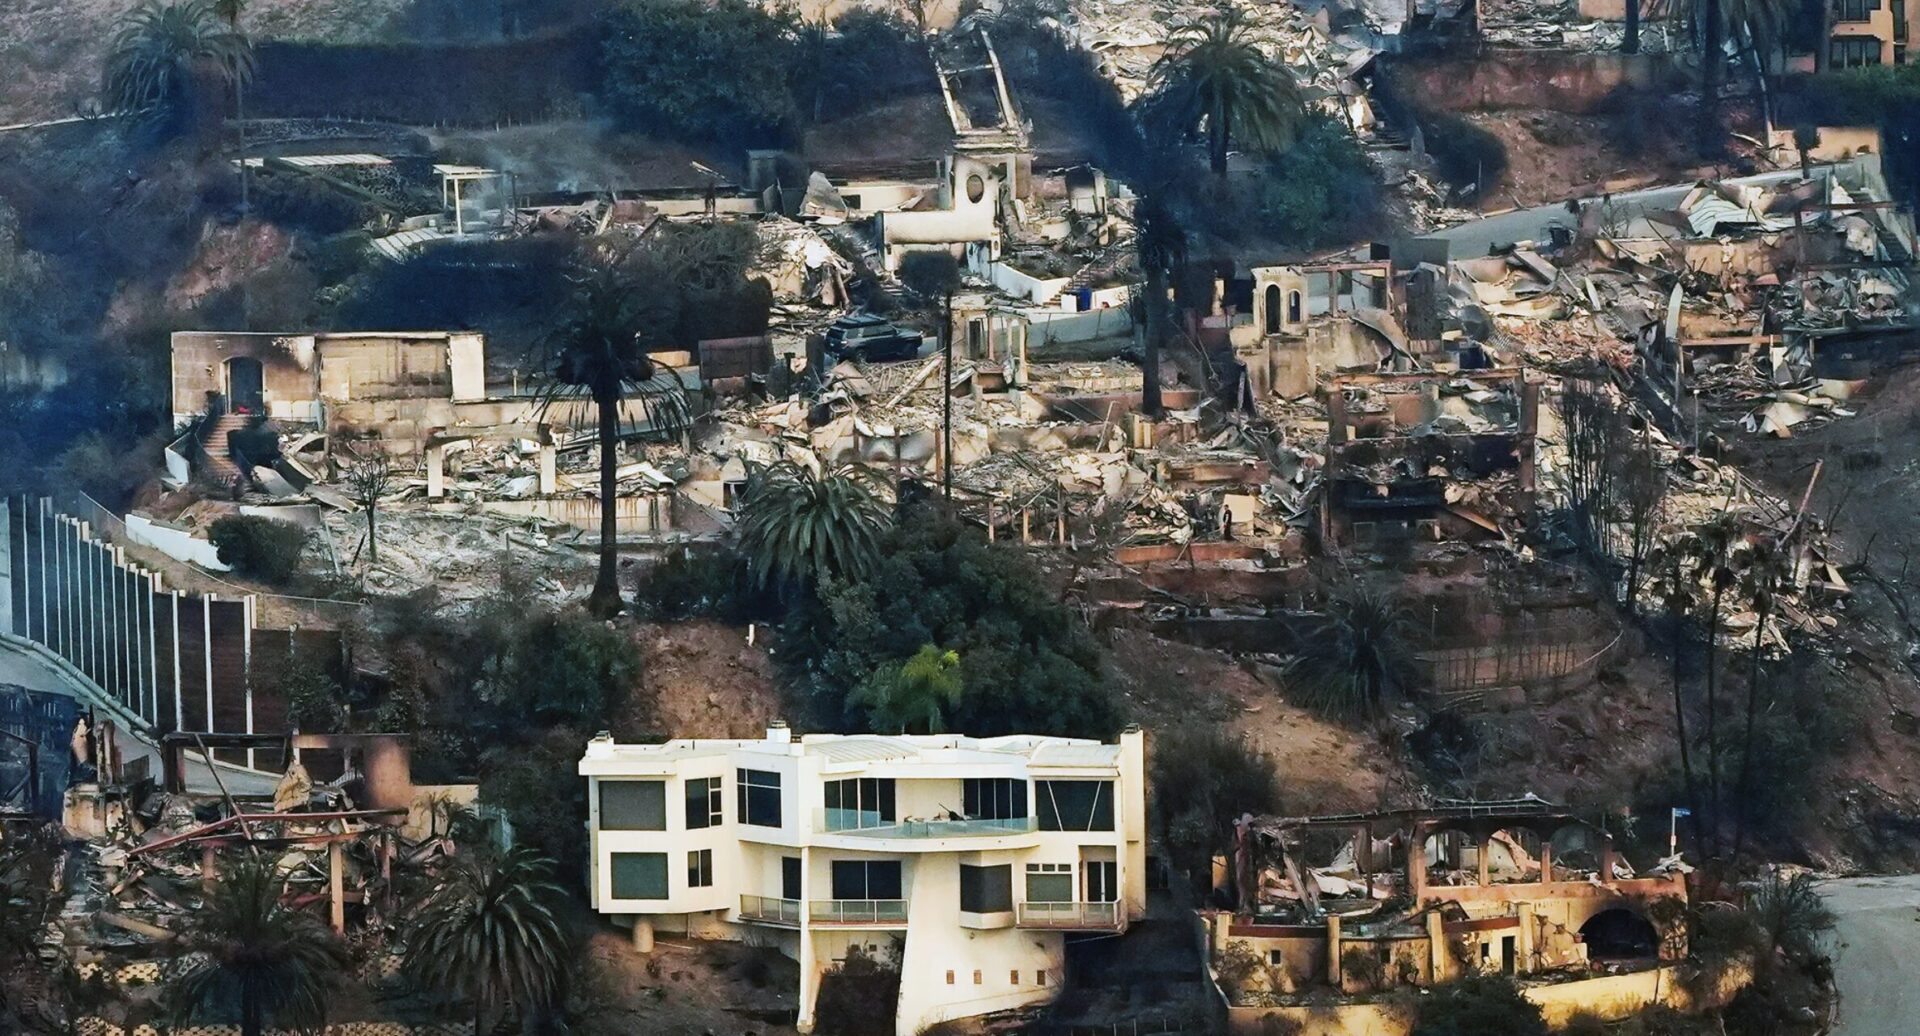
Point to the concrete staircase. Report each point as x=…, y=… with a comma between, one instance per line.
x=219, y=467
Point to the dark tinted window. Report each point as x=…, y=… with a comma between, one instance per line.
x=639, y=875
x=994, y=798
x=759, y=797
x=633, y=805
x=1075, y=805
x=986, y=890
x=866, y=879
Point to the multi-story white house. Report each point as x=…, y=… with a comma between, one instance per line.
x=972, y=859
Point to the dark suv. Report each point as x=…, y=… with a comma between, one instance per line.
x=866, y=337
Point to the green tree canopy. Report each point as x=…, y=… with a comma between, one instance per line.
x=1213, y=75
x=1479, y=1006
x=699, y=70
x=799, y=528
x=488, y=934
x=265, y=960
x=159, y=49
x=914, y=696
x=1027, y=662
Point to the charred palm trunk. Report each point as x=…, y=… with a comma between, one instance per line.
x=1744, y=788
x=1680, y=716
x=1713, y=716
x=605, y=600
x=1710, y=47
x=946, y=398
x=1217, y=137
x=1156, y=313
x=1632, y=43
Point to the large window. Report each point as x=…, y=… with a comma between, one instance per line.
x=986, y=890
x=1075, y=805
x=1855, y=51
x=700, y=869
x=789, y=877
x=866, y=879
x=633, y=805
x=639, y=875
x=1049, y=882
x=994, y=798
x=759, y=797
x=1854, y=10
x=704, y=803
x=859, y=802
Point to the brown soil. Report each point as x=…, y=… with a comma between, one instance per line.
x=1323, y=767
x=704, y=680
x=1552, y=156
x=689, y=988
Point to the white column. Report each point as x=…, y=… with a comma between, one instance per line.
x=246, y=642
x=179, y=708
x=809, y=979
x=206, y=655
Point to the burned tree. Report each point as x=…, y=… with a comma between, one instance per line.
x=367, y=480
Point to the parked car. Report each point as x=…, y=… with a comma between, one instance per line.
x=867, y=337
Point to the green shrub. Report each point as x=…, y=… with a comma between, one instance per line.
x=1028, y=662
x=259, y=548
x=694, y=70
x=564, y=666
x=1479, y=1006
x=687, y=583
x=1321, y=191
x=1202, y=778
x=300, y=202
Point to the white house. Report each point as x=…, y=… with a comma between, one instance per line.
x=971, y=860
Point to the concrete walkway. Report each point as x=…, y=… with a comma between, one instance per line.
x=1876, y=947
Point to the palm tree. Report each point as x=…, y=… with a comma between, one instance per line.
x=1161, y=245
x=246, y=948
x=1766, y=565
x=1360, y=653
x=488, y=934
x=1677, y=596
x=600, y=353
x=1712, y=552
x=154, y=55
x=798, y=527
x=915, y=696
x=1213, y=72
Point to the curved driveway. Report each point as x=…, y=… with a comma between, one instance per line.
x=1877, y=954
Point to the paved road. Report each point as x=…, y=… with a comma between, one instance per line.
x=1475, y=238
x=1877, y=955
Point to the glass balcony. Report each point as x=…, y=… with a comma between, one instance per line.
x=858, y=911
x=1076, y=916
x=867, y=824
x=770, y=910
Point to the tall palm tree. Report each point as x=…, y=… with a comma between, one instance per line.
x=269, y=960
x=159, y=47
x=1160, y=242
x=600, y=353
x=1213, y=72
x=799, y=527
x=488, y=934
x=916, y=696
x=1766, y=565
x=1677, y=596
x=1712, y=553
x=1361, y=651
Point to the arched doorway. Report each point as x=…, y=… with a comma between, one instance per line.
x=1620, y=934
x=245, y=385
x=1273, y=309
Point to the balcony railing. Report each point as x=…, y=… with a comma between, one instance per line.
x=858, y=911
x=1087, y=916
x=770, y=910
x=868, y=824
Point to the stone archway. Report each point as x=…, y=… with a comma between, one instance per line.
x=1619, y=933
